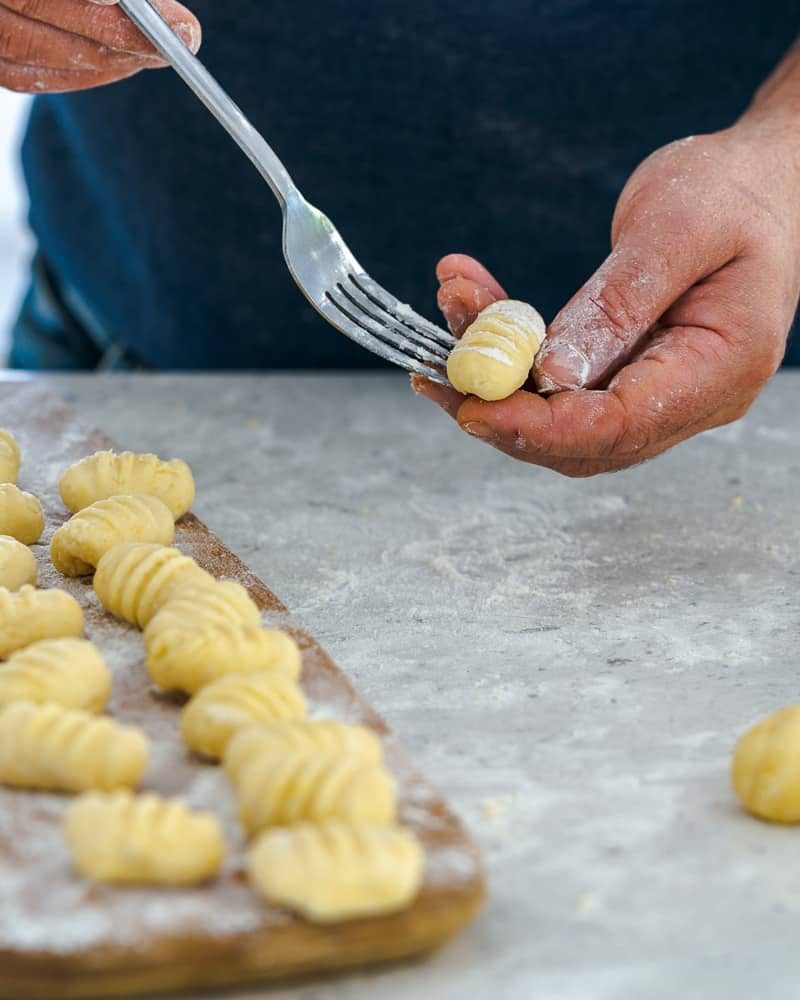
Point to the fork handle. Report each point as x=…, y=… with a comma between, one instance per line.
x=194, y=74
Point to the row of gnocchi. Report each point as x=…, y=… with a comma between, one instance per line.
x=314, y=796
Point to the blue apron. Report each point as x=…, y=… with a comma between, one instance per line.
x=500, y=128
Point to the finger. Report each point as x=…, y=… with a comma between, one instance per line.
x=41, y=80
x=658, y=255
x=105, y=23
x=443, y=395
x=36, y=44
x=466, y=288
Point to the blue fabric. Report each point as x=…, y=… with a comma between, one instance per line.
x=501, y=128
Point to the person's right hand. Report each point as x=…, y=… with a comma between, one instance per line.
x=50, y=46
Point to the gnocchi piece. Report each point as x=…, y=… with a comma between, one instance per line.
x=78, y=546
x=188, y=659
x=9, y=457
x=29, y=615
x=144, y=839
x=68, y=672
x=766, y=767
x=218, y=710
x=64, y=749
x=283, y=789
x=21, y=515
x=105, y=474
x=495, y=356
x=17, y=564
x=291, y=736
x=134, y=580
x=337, y=871
x=214, y=603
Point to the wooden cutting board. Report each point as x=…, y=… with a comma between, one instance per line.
x=63, y=937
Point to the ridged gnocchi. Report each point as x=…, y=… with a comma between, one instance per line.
x=9, y=457
x=292, y=736
x=78, y=546
x=284, y=789
x=106, y=474
x=215, y=713
x=17, y=564
x=68, y=672
x=766, y=767
x=180, y=659
x=28, y=615
x=214, y=603
x=21, y=515
x=337, y=871
x=495, y=356
x=142, y=839
x=134, y=580
x=65, y=749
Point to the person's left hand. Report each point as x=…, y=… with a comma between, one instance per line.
x=680, y=328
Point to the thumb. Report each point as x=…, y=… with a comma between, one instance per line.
x=656, y=258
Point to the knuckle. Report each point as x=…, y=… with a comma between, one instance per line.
x=617, y=310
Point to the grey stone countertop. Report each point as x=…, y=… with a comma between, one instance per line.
x=570, y=661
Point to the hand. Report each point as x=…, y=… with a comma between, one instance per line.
x=60, y=45
x=682, y=325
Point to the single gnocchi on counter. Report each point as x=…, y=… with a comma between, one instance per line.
x=106, y=474
x=765, y=771
x=68, y=672
x=142, y=839
x=495, y=355
x=28, y=615
x=17, y=564
x=21, y=515
x=9, y=457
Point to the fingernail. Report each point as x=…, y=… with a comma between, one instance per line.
x=190, y=36
x=562, y=366
x=479, y=430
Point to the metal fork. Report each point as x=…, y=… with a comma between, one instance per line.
x=318, y=258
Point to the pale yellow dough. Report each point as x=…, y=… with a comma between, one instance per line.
x=188, y=659
x=106, y=474
x=292, y=736
x=134, y=580
x=283, y=789
x=28, y=615
x=213, y=603
x=9, y=457
x=17, y=564
x=337, y=871
x=65, y=749
x=495, y=356
x=78, y=546
x=766, y=767
x=20, y=515
x=219, y=709
x=142, y=839
x=68, y=672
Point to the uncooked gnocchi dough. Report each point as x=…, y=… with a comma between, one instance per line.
x=766, y=767
x=20, y=515
x=181, y=659
x=64, y=749
x=292, y=736
x=9, y=457
x=28, y=615
x=282, y=789
x=68, y=672
x=215, y=603
x=78, y=546
x=105, y=475
x=143, y=839
x=495, y=356
x=337, y=871
x=222, y=707
x=17, y=564
x=134, y=580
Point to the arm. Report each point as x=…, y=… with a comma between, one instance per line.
x=60, y=45
x=686, y=320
